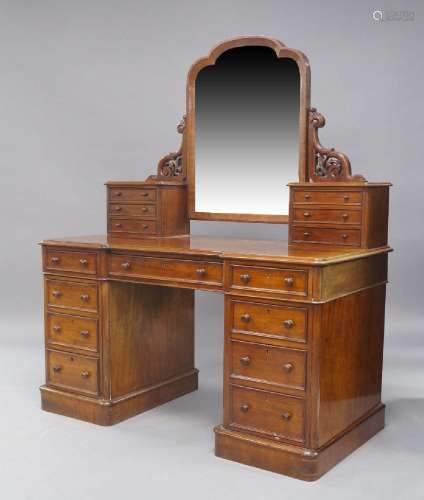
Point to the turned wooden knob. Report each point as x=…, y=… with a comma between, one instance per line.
x=245, y=360
x=244, y=408
x=118, y=193
x=118, y=224
x=306, y=234
x=346, y=197
x=55, y=260
x=145, y=226
x=307, y=196
x=144, y=209
x=288, y=367
x=288, y=323
x=344, y=236
x=345, y=216
x=85, y=374
x=201, y=272
x=84, y=333
x=117, y=209
x=288, y=282
x=306, y=214
x=144, y=194
x=286, y=416
x=83, y=262
x=126, y=265
x=57, y=368
x=84, y=297
x=57, y=328
x=56, y=293
x=245, y=318
x=245, y=278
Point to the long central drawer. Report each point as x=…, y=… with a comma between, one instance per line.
x=190, y=271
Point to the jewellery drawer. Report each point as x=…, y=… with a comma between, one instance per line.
x=265, y=364
x=267, y=413
x=133, y=210
x=71, y=295
x=131, y=226
x=163, y=268
x=266, y=320
x=72, y=371
x=288, y=281
x=331, y=216
x=328, y=197
x=131, y=194
x=72, y=331
x=333, y=236
x=77, y=262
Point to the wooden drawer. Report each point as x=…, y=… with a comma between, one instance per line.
x=132, y=194
x=267, y=413
x=75, y=262
x=72, y=371
x=271, y=279
x=72, y=331
x=328, y=197
x=332, y=236
x=133, y=210
x=191, y=271
x=264, y=320
x=71, y=295
x=331, y=216
x=271, y=365
x=136, y=226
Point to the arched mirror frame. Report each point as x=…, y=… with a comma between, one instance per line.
x=317, y=163
x=281, y=51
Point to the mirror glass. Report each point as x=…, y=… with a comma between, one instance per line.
x=246, y=132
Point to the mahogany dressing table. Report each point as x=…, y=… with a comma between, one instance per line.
x=304, y=319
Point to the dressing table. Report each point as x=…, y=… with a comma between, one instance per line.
x=304, y=318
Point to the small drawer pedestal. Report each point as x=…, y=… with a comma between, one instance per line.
x=146, y=209
x=338, y=214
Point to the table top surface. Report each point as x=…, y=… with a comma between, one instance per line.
x=221, y=247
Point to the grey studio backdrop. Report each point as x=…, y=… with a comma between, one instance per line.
x=92, y=91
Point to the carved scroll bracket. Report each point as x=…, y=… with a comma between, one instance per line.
x=326, y=164
x=171, y=166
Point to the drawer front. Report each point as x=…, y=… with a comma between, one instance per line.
x=270, y=365
x=327, y=215
x=144, y=210
x=268, y=413
x=328, y=197
x=332, y=236
x=161, y=268
x=135, y=226
x=76, y=262
x=288, y=281
x=69, y=295
x=72, y=331
x=72, y=371
x=132, y=194
x=288, y=323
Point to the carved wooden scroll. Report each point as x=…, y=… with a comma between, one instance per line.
x=171, y=166
x=326, y=164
